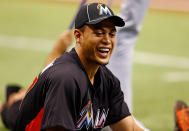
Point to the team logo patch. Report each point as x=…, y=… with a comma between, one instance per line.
x=87, y=118
x=100, y=119
x=103, y=10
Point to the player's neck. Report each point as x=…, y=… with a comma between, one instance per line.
x=91, y=75
x=90, y=67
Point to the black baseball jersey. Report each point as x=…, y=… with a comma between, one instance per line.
x=62, y=95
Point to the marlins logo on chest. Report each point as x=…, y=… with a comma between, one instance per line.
x=87, y=118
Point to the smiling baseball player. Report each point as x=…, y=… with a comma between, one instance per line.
x=77, y=91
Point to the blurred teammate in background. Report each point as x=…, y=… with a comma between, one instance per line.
x=10, y=110
x=133, y=11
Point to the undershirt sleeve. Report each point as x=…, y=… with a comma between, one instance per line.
x=118, y=107
x=59, y=106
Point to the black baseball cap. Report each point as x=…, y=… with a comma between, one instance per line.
x=94, y=13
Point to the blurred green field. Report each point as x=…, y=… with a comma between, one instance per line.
x=28, y=30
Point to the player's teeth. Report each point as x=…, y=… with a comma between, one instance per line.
x=104, y=49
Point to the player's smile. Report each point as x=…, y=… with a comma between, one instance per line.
x=103, y=51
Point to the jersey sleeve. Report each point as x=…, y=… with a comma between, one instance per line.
x=59, y=106
x=118, y=108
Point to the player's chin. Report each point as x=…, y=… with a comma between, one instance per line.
x=103, y=61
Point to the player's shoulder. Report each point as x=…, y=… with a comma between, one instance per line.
x=65, y=67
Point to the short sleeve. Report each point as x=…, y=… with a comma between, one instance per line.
x=118, y=108
x=59, y=106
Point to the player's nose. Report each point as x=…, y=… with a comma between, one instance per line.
x=107, y=39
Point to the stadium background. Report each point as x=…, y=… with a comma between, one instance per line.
x=29, y=28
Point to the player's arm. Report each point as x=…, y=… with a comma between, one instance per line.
x=126, y=124
x=60, y=47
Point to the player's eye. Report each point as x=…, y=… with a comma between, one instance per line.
x=99, y=33
x=112, y=34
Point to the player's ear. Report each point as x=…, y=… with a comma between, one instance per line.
x=78, y=35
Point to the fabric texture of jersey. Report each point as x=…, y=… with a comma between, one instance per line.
x=64, y=96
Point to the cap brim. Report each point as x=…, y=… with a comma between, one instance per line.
x=117, y=20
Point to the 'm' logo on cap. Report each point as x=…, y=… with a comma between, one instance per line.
x=103, y=10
